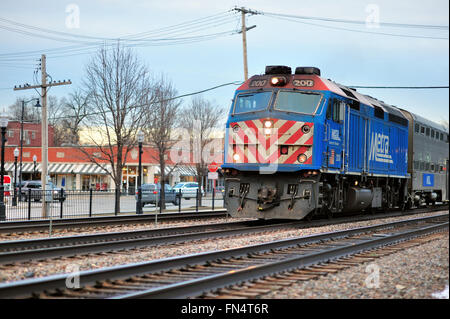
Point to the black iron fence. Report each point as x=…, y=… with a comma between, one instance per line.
x=87, y=203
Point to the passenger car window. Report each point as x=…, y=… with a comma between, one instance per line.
x=422, y=130
x=428, y=131
x=417, y=128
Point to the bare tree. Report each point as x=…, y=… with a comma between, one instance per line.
x=160, y=123
x=75, y=110
x=200, y=118
x=30, y=113
x=118, y=85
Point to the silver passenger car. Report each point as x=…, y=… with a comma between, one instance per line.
x=428, y=160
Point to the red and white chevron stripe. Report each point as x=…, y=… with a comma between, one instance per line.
x=255, y=143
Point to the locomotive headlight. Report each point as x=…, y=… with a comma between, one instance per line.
x=267, y=131
x=302, y=158
x=267, y=124
x=278, y=80
x=236, y=157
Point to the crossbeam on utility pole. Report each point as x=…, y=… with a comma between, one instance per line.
x=244, y=30
x=44, y=129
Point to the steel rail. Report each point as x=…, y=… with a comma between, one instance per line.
x=67, y=223
x=197, y=287
x=107, y=242
x=41, y=248
x=24, y=288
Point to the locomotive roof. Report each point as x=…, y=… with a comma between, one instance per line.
x=321, y=83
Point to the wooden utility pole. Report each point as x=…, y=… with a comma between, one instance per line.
x=44, y=126
x=244, y=36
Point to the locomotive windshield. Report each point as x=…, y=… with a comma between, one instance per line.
x=252, y=102
x=299, y=102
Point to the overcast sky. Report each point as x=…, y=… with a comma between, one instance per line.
x=352, y=58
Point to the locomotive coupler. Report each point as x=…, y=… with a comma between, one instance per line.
x=267, y=198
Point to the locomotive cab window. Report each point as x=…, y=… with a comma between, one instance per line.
x=298, y=102
x=252, y=102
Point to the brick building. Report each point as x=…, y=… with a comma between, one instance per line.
x=70, y=168
x=32, y=134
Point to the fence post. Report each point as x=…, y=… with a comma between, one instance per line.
x=196, y=201
x=29, y=203
x=61, y=201
x=90, y=202
x=160, y=200
x=179, y=200
x=213, y=195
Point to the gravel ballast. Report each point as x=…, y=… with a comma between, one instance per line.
x=50, y=267
x=416, y=272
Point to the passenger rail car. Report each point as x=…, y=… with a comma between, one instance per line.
x=428, y=149
x=299, y=144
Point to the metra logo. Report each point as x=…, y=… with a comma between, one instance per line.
x=379, y=148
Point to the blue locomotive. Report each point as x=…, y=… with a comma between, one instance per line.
x=298, y=145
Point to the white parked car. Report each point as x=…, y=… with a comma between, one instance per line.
x=188, y=189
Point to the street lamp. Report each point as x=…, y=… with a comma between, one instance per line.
x=21, y=138
x=3, y=125
x=140, y=138
x=16, y=154
x=34, y=167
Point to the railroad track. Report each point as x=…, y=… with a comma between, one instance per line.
x=17, y=227
x=200, y=274
x=14, y=252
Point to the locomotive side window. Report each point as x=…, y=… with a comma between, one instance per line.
x=299, y=102
x=336, y=110
x=252, y=102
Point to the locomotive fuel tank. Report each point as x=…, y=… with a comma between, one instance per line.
x=358, y=199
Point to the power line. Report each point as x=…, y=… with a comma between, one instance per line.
x=362, y=31
x=397, y=87
x=359, y=22
x=163, y=36
x=159, y=101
